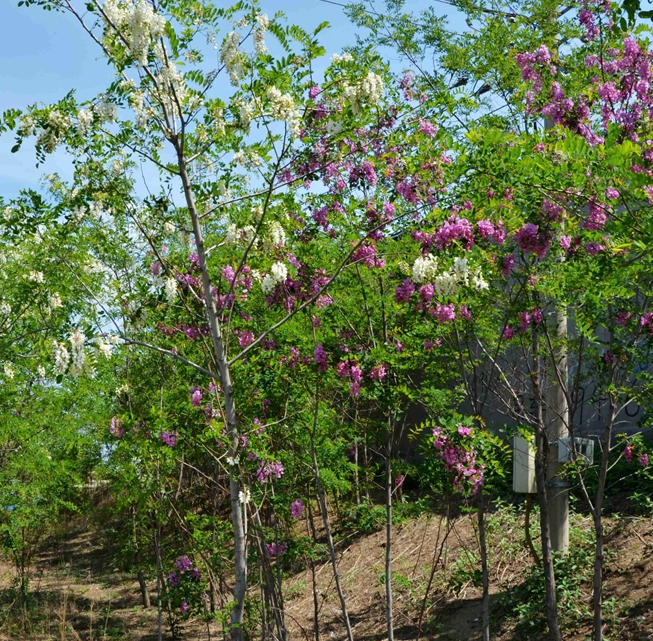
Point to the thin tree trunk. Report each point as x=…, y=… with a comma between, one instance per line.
x=365, y=467
x=327, y=526
x=388, y=533
x=597, y=597
x=484, y=567
x=356, y=482
x=240, y=541
x=159, y=587
x=540, y=475
x=437, y=555
x=272, y=589
x=316, y=604
x=145, y=595
x=332, y=549
x=527, y=530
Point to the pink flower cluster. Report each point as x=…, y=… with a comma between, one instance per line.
x=488, y=230
x=459, y=460
x=276, y=549
x=531, y=65
x=269, y=468
x=169, y=438
x=183, y=566
x=629, y=453
x=368, y=256
x=116, y=428
x=532, y=241
x=297, y=509
x=347, y=369
x=196, y=396
x=321, y=359
x=455, y=229
x=404, y=291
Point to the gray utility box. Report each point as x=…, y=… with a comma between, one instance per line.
x=584, y=450
x=523, y=460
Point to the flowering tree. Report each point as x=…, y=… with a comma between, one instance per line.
x=220, y=254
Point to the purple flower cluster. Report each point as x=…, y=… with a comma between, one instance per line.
x=455, y=229
x=196, y=396
x=459, y=460
x=532, y=241
x=368, y=256
x=378, y=372
x=276, y=549
x=444, y=313
x=347, y=369
x=269, y=468
x=297, y=509
x=404, y=291
x=183, y=566
x=321, y=358
x=169, y=438
x=489, y=231
x=629, y=454
x=116, y=428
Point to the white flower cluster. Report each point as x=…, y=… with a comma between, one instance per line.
x=52, y=134
x=79, y=213
x=61, y=358
x=449, y=282
x=369, y=91
x=9, y=372
x=245, y=496
x=36, y=277
x=276, y=234
x=278, y=274
x=84, y=121
x=244, y=236
x=424, y=268
x=105, y=345
x=54, y=302
x=78, y=362
x=245, y=112
x=262, y=24
x=95, y=211
x=233, y=58
x=247, y=159
x=171, y=288
x=5, y=308
x=171, y=89
x=333, y=127
x=282, y=107
x=117, y=167
x=27, y=125
x=345, y=57
x=138, y=22
x=137, y=102
x=106, y=111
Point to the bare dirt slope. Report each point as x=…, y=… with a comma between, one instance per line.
x=80, y=597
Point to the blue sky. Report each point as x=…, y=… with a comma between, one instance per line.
x=45, y=54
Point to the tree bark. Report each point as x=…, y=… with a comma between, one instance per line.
x=597, y=597
x=541, y=446
x=332, y=549
x=145, y=595
x=388, y=533
x=240, y=542
x=484, y=567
